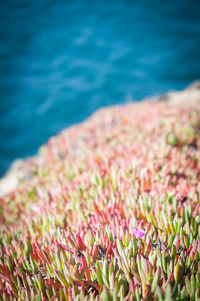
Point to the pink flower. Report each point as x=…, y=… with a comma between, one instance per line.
x=138, y=233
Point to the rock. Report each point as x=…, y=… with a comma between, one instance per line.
x=11, y=179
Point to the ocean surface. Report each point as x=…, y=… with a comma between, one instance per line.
x=62, y=60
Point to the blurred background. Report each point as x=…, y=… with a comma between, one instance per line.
x=62, y=60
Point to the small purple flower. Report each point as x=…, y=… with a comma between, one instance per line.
x=138, y=233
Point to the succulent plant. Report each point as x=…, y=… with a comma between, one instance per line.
x=109, y=210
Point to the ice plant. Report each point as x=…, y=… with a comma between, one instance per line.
x=65, y=230
x=138, y=233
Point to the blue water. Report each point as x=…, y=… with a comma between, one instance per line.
x=61, y=60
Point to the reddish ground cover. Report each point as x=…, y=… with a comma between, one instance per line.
x=109, y=210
